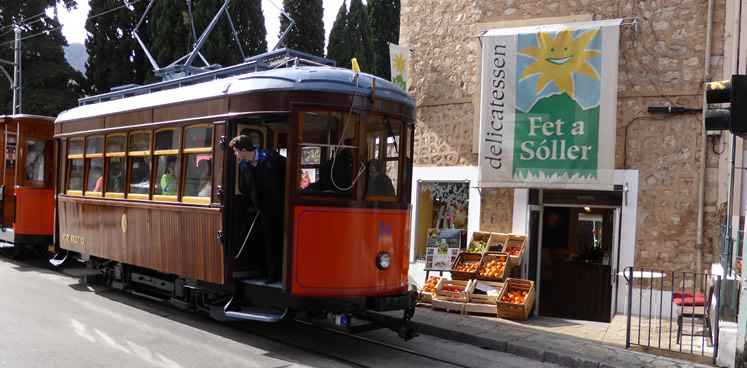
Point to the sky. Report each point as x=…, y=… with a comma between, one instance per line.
x=73, y=23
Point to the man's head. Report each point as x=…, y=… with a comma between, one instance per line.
x=171, y=166
x=373, y=168
x=242, y=147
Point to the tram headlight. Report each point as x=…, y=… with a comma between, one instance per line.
x=383, y=260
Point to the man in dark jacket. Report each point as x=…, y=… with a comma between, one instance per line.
x=262, y=177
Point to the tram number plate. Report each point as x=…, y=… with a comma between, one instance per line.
x=384, y=229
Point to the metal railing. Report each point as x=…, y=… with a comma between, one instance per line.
x=672, y=310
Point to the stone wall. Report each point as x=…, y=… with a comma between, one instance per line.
x=660, y=65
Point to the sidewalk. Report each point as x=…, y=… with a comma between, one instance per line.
x=564, y=342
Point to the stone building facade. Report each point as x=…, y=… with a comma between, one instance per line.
x=661, y=63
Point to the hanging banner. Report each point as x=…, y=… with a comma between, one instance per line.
x=548, y=108
x=398, y=57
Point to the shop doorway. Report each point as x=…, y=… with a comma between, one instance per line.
x=578, y=254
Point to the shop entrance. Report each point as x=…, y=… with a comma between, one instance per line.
x=578, y=249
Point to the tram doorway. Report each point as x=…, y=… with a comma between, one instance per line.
x=578, y=254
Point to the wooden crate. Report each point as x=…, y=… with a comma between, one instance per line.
x=516, y=311
x=426, y=296
x=480, y=308
x=497, y=242
x=482, y=298
x=460, y=296
x=487, y=258
x=447, y=305
x=515, y=240
x=467, y=258
x=479, y=236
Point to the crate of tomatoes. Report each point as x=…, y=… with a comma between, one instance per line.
x=425, y=294
x=494, y=266
x=453, y=290
x=516, y=299
x=465, y=266
x=515, y=248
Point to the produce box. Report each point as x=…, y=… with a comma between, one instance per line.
x=485, y=292
x=447, y=305
x=425, y=294
x=516, y=299
x=479, y=242
x=479, y=308
x=465, y=266
x=497, y=242
x=494, y=266
x=453, y=290
x=515, y=248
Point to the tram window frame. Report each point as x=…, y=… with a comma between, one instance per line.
x=378, y=147
x=145, y=155
x=39, y=163
x=93, y=153
x=197, y=152
x=71, y=159
x=346, y=121
x=110, y=154
x=161, y=159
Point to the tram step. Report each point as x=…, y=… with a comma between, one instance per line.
x=219, y=313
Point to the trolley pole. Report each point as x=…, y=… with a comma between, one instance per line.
x=17, y=72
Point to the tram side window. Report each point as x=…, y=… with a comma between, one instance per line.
x=382, y=166
x=35, y=160
x=115, y=164
x=328, y=148
x=75, y=166
x=198, y=148
x=95, y=162
x=168, y=163
x=140, y=164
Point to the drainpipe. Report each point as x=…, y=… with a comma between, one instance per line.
x=703, y=138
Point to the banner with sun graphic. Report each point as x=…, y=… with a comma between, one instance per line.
x=548, y=106
x=398, y=56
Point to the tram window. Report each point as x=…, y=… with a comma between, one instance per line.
x=167, y=139
x=382, y=167
x=75, y=147
x=95, y=182
x=75, y=182
x=167, y=179
x=115, y=180
x=199, y=176
x=198, y=137
x=140, y=175
x=95, y=145
x=328, y=148
x=35, y=160
x=140, y=142
x=115, y=143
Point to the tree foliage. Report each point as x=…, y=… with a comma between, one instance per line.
x=221, y=46
x=49, y=84
x=384, y=17
x=358, y=37
x=337, y=49
x=307, y=35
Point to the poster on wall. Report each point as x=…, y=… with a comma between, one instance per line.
x=442, y=248
x=548, y=106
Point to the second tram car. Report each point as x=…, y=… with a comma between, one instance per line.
x=345, y=245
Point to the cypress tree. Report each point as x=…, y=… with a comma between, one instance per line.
x=358, y=37
x=221, y=47
x=307, y=35
x=337, y=49
x=169, y=31
x=49, y=84
x=384, y=17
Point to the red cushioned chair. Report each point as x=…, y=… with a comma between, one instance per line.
x=694, y=306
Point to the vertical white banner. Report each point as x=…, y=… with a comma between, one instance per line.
x=398, y=60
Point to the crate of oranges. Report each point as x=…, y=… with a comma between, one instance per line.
x=465, y=266
x=453, y=290
x=515, y=248
x=494, y=266
x=425, y=294
x=516, y=299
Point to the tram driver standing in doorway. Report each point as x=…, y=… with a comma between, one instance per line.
x=262, y=177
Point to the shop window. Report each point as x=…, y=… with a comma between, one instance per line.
x=115, y=165
x=328, y=148
x=140, y=165
x=168, y=164
x=35, y=160
x=94, y=159
x=75, y=166
x=441, y=205
x=198, y=155
x=382, y=164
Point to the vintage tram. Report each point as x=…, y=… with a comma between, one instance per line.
x=26, y=191
x=345, y=248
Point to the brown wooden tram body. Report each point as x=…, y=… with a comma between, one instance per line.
x=331, y=238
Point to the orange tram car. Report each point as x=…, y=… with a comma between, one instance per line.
x=345, y=248
x=26, y=190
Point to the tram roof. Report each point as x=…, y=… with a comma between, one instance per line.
x=296, y=78
x=26, y=116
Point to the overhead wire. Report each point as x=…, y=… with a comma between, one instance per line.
x=28, y=20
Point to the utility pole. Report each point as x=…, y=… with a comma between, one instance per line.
x=17, y=72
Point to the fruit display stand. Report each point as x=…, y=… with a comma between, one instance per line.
x=497, y=242
x=515, y=248
x=492, y=262
x=425, y=294
x=513, y=310
x=465, y=266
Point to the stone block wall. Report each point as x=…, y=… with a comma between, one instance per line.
x=661, y=64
